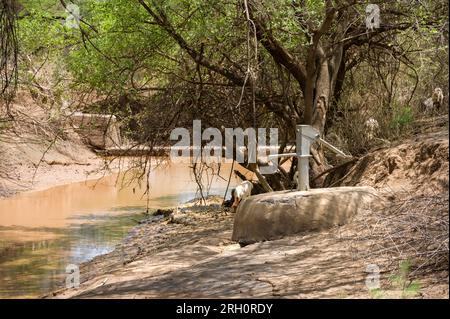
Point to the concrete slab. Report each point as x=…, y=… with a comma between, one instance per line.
x=275, y=215
x=98, y=130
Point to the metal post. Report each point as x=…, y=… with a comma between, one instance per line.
x=298, y=151
x=305, y=136
x=302, y=151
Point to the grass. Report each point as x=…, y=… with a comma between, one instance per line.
x=399, y=285
x=403, y=118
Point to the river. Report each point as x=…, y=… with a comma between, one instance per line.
x=42, y=232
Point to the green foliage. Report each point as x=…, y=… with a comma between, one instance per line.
x=413, y=289
x=399, y=285
x=403, y=117
x=401, y=281
x=122, y=39
x=41, y=26
x=118, y=50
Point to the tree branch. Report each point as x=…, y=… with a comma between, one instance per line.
x=276, y=50
x=162, y=20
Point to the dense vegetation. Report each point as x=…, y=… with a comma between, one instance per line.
x=237, y=63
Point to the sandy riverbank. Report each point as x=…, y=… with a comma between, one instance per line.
x=195, y=258
x=27, y=164
x=40, y=149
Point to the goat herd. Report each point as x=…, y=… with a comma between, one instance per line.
x=429, y=106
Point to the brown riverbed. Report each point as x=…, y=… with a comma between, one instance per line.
x=41, y=232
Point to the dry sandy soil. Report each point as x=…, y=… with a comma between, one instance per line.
x=38, y=154
x=419, y=163
x=405, y=235
x=196, y=259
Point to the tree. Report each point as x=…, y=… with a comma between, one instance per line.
x=330, y=35
x=8, y=50
x=242, y=63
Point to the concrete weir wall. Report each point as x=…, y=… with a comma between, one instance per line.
x=97, y=130
x=274, y=215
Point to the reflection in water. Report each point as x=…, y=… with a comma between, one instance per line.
x=34, y=267
x=42, y=232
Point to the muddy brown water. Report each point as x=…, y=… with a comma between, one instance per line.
x=42, y=232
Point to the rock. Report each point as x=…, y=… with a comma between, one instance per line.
x=278, y=214
x=179, y=217
x=163, y=212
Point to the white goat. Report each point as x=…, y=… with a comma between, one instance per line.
x=372, y=128
x=434, y=102
x=241, y=192
x=437, y=97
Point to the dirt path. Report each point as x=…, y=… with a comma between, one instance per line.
x=197, y=260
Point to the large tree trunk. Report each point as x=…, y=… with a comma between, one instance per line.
x=321, y=98
x=321, y=79
x=320, y=103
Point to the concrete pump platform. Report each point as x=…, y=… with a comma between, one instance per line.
x=275, y=215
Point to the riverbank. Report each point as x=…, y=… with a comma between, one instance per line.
x=191, y=255
x=40, y=149
x=194, y=257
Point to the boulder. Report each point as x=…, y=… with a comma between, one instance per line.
x=275, y=215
